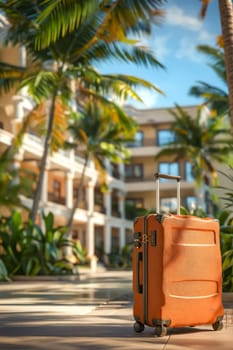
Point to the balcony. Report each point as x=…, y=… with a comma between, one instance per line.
x=99, y=208
x=6, y=137
x=146, y=148
x=144, y=151
x=53, y=198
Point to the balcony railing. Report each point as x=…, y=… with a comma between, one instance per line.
x=116, y=213
x=55, y=199
x=150, y=178
x=137, y=179
x=99, y=208
x=145, y=143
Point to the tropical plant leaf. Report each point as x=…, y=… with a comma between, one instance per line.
x=3, y=272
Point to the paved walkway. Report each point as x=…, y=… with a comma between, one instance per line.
x=93, y=313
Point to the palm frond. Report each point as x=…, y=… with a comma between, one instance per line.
x=206, y=90
x=200, y=141
x=215, y=54
x=41, y=85
x=216, y=97
x=204, y=7
x=62, y=17
x=10, y=76
x=133, y=81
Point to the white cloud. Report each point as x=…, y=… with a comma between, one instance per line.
x=149, y=98
x=194, y=34
x=206, y=37
x=160, y=46
x=177, y=17
x=183, y=32
x=187, y=49
x=187, y=46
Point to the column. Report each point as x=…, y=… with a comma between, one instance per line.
x=122, y=171
x=22, y=56
x=44, y=194
x=90, y=227
x=69, y=204
x=18, y=157
x=108, y=167
x=71, y=152
x=108, y=227
x=69, y=189
x=122, y=236
x=107, y=240
x=121, y=203
x=44, y=199
x=90, y=196
x=90, y=237
x=19, y=114
x=121, y=208
x=18, y=99
x=108, y=202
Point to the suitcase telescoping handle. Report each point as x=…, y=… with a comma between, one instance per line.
x=169, y=177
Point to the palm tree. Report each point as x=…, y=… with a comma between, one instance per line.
x=101, y=137
x=217, y=99
x=226, y=17
x=202, y=142
x=85, y=35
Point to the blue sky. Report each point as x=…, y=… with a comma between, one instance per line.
x=174, y=45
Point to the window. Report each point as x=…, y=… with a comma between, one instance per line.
x=56, y=189
x=98, y=197
x=165, y=137
x=139, y=138
x=169, y=204
x=188, y=172
x=138, y=142
x=134, y=171
x=115, y=170
x=169, y=169
x=82, y=194
x=75, y=234
x=136, y=202
x=191, y=203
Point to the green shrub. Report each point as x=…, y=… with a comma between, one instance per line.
x=26, y=249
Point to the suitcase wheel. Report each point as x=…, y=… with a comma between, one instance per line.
x=217, y=326
x=138, y=327
x=160, y=331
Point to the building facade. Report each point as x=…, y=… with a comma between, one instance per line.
x=154, y=132
x=101, y=222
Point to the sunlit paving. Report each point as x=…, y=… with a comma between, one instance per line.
x=95, y=312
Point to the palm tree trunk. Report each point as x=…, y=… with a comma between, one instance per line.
x=77, y=200
x=43, y=162
x=226, y=15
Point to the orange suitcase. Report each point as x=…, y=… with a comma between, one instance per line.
x=177, y=271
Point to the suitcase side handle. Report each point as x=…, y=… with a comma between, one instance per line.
x=138, y=285
x=169, y=177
